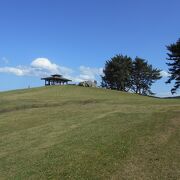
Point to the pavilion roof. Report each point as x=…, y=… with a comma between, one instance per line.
x=56, y=77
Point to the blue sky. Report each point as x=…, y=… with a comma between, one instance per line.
x=75, y=38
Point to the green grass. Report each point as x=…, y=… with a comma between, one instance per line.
x=78, y=133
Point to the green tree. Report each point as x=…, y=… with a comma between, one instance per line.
x=174, y=65
x=117, y=73
x=143, y=76
x=123, y=74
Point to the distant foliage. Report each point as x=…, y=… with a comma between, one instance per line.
x=123, y=74
x=143, y=76
x=117, y=73
x=174, y=65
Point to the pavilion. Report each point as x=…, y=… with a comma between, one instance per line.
x=55, y=79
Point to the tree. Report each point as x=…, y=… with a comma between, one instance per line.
x=121, y=73
x=117, y=73
x=143, y=76
x=174, y=65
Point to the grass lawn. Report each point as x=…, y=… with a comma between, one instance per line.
x=71, y=132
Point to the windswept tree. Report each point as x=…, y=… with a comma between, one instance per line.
x=117, y=73
x=174, y=65
x=143, y=76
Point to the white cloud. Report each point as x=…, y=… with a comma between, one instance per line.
x=45, y=64
x=87, y=73
x=38, y=67
x=18, y=71
x=22, y=71
x=164, y=73
x=65, y=71
x=41, y=67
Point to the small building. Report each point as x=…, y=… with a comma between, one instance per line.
x=55, y=79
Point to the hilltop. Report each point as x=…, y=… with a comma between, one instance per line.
x=70, y=132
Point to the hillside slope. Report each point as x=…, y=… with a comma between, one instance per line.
x=73, y=132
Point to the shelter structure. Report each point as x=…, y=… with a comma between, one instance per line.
x=55, y=79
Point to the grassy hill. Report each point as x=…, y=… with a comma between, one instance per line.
x=78, y=133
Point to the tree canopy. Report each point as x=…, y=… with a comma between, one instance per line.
x=124, y=74
x=174, y=65
x=117, y=73
x=143, y=76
